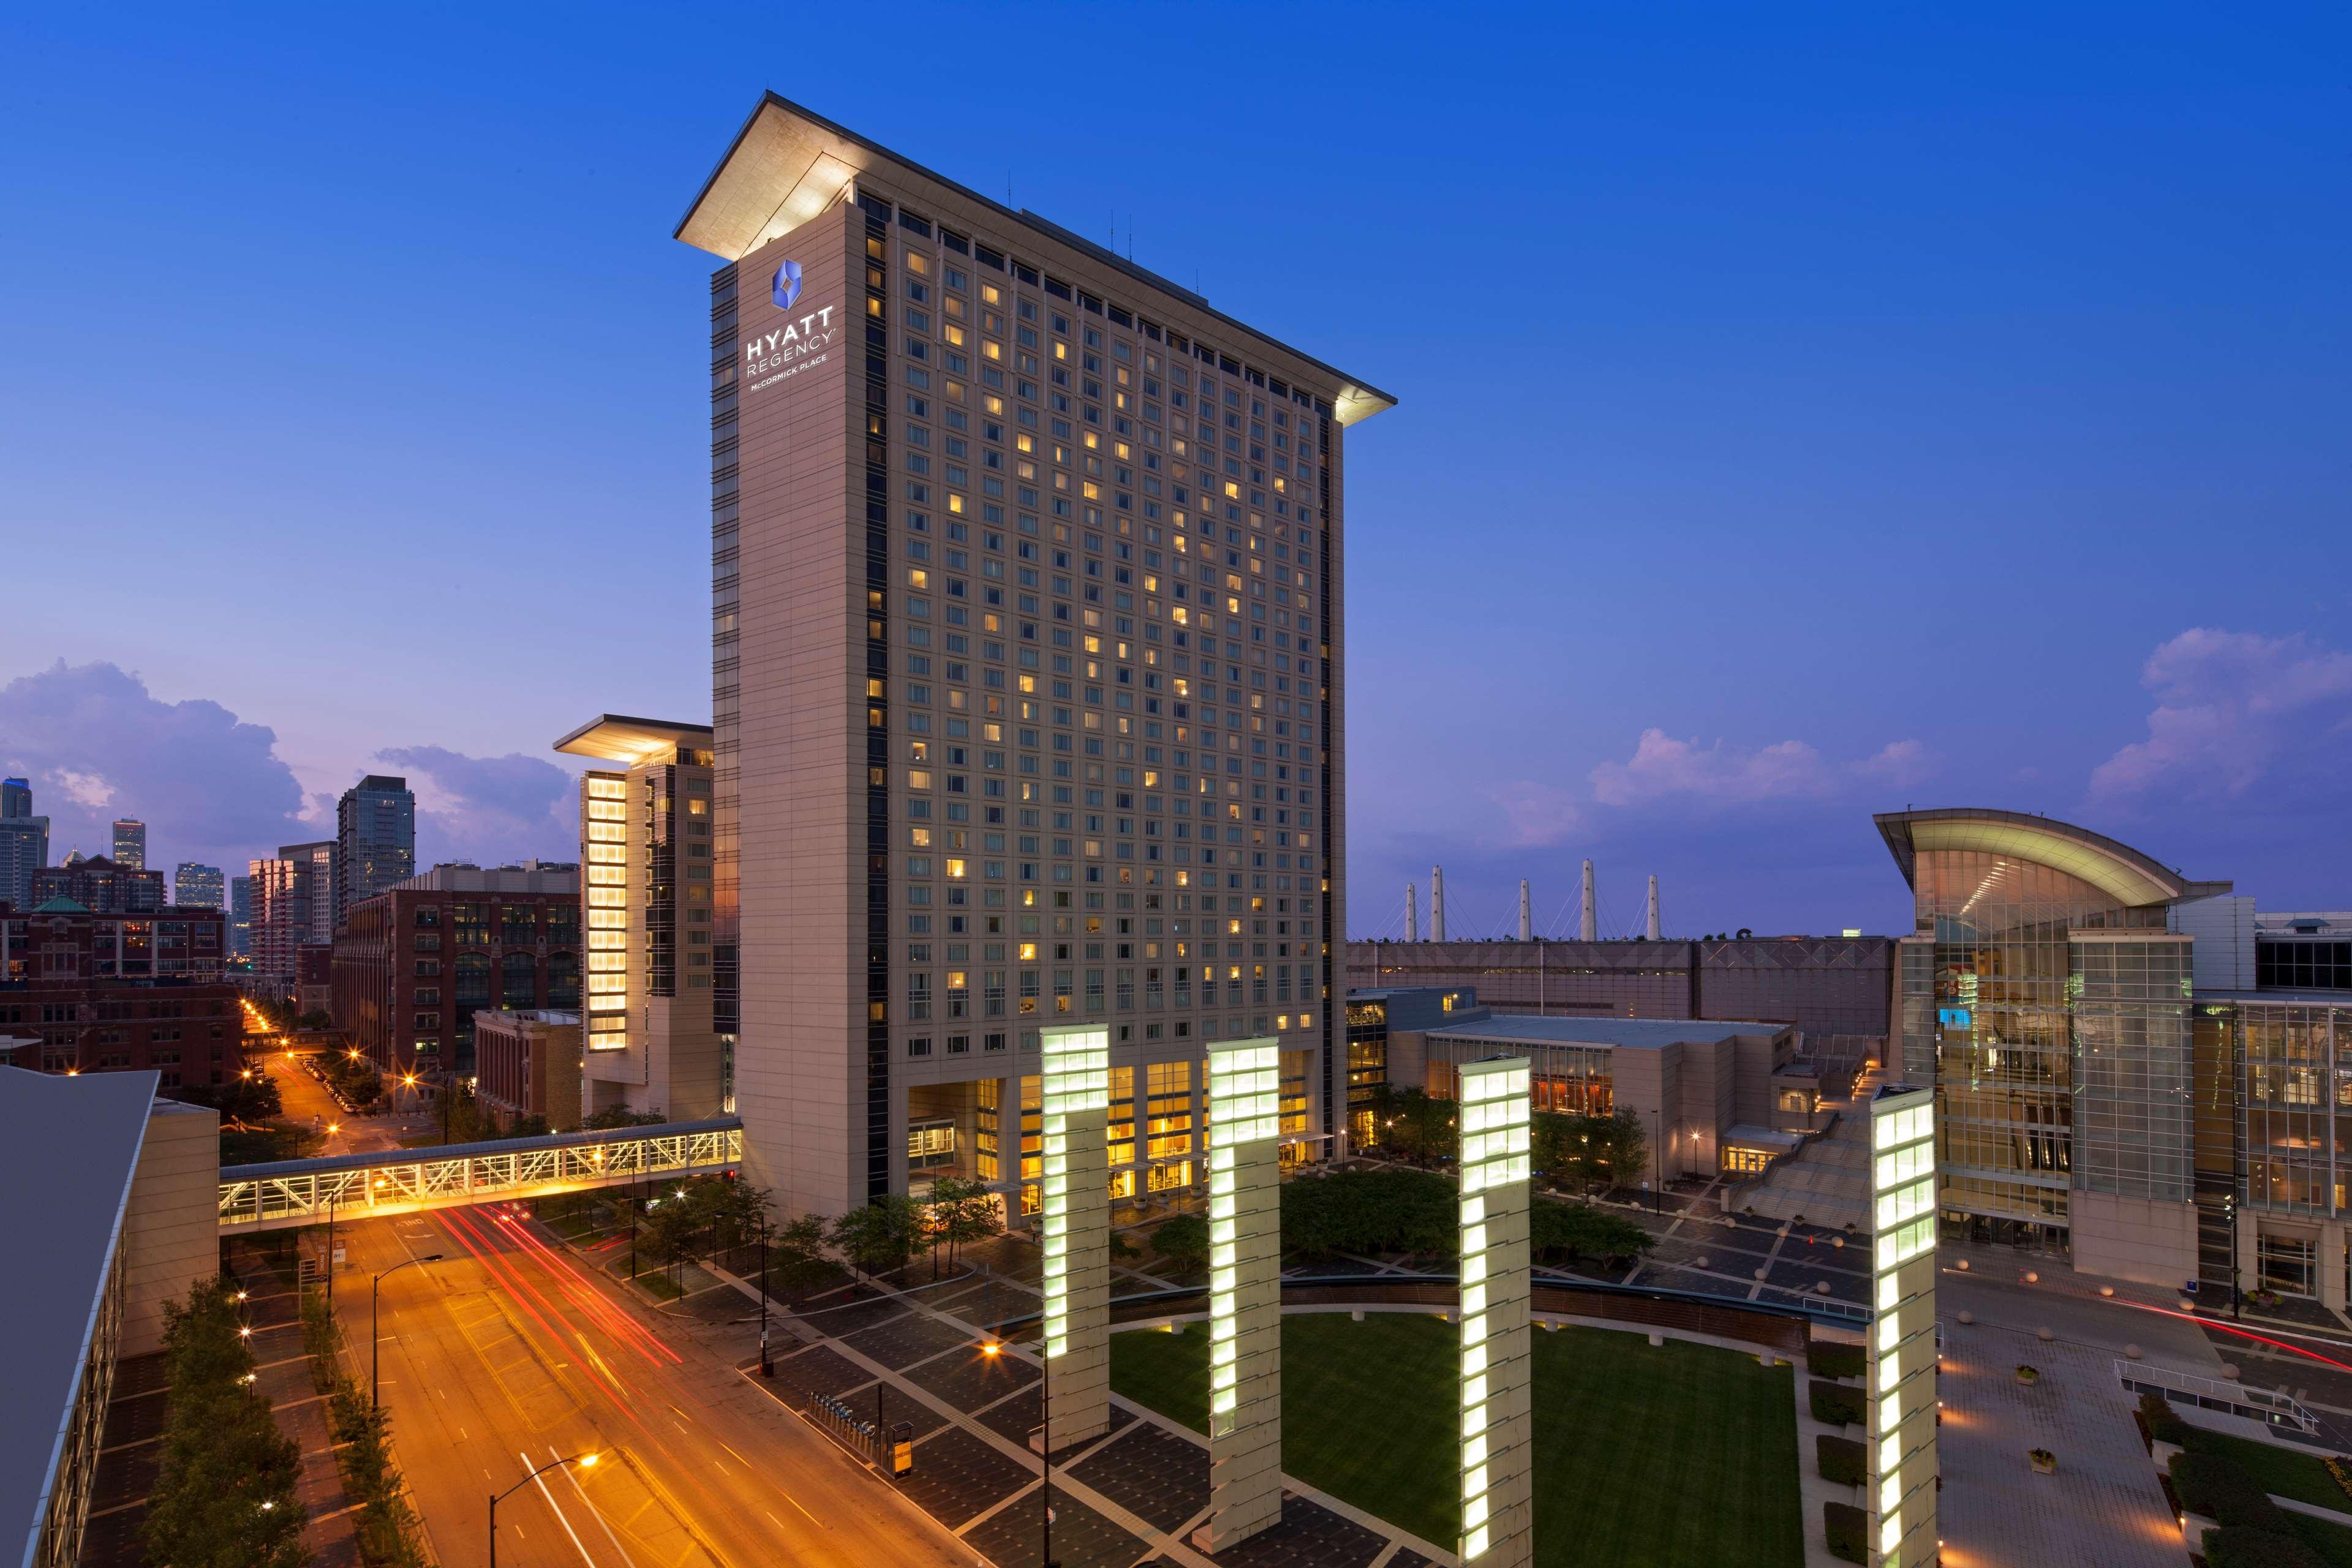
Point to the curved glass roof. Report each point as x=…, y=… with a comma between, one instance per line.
x=2130, y=877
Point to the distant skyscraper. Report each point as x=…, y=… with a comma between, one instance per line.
x=131, y=844
x=24, y=843
x=198, y=887
x=314, y=889
x=376, y=839
x=240, y=917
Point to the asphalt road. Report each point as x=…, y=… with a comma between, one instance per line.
x=307, y=1101
x=510, y=1351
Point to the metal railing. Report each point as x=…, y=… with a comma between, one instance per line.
x=398, y=1180
x=2212, y=1394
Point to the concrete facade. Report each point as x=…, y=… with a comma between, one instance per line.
x=171, y=1223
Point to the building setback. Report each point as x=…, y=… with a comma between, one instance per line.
x=1028, y=666
x=414, y=963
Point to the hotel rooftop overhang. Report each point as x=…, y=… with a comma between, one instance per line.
x=2123, y=873
x=789, y=163
x=1610, y=1034
x=617, y=738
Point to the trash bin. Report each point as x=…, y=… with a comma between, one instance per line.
x=902, y=1447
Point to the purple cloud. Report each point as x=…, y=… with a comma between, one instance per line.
x=2231, y=707
x=97, y=744
x=488, y=810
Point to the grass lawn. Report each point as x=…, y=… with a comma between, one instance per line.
x=2285, y=1472
x=1678, y=1457
x=2332, y=1542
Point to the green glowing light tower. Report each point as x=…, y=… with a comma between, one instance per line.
x=1245, y=1291
x=1497, y=1426
x=1075, y=1227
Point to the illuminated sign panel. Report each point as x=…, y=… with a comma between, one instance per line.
x=1497, y=1496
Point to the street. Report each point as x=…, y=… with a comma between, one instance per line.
x=509, y=1353
x=307, y=1102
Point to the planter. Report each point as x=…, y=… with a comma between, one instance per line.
x=2028, y=1375
x=2044, y=1461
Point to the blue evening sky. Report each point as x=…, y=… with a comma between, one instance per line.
x=1806, y=410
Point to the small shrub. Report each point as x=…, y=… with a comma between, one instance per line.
x=2237, y=1546
x=1834, y=1404
x=2029, y=1375
x=2164, y=1423
x=1829, y=1359
x=2043, y=1458
x=2212, y=1486
x=1849, y=1531
x=2340, y=1472
x=1842, y=1460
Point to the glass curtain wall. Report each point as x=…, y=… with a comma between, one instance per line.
x=1993, y=988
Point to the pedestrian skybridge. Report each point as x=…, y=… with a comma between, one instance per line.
x=290, y=1193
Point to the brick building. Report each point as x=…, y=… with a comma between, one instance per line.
x=528, y=1064
x=100, y=885
x=413, y=964
x=92, y=993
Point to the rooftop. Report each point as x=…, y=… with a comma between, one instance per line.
x=1629, y=1034
x=616, y=737
x=2123, y=873
x=75, y=1141
x=532, y=878
x=788, y=164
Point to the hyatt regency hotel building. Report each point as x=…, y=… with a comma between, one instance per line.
x=1027, y=677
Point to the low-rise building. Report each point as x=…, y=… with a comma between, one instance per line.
x=528, y=1064
x=125, y=1219
x=414, y=963
x=1715, y=1096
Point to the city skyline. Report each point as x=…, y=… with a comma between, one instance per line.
x=1879, y=578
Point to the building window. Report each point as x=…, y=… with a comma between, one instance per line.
x=2289, y=1264
x=519, y=982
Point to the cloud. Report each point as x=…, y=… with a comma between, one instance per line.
x=94, y=743
x=488, y=810
x=2231, y=707
x=1537, y=815
x=1661, y=766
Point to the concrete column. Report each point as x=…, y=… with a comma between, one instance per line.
x=2331, y=1264
x=1902, y=1395
x=1498, y=1421
x=1075, y=1230
x=1244, y=1081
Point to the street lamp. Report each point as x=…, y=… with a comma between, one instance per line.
x=585, y=1461
x=375, y=1339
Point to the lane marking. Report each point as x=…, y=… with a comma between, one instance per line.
x=541, y=1482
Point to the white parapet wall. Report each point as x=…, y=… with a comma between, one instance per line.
x=1245, y=1291
x=1496, y=1397
x=1074, y=1228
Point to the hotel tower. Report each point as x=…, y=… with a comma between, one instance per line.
x=1027, y=679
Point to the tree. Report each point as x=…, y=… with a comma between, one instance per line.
x=963, y=1212
x=1360, y=1211
x=225, y=1496
x=799, y=1252
x=316, y=1019
x=880, y=1235
x=1182, y=1242
x=1567, y=1233
x=1587, y=1150
x=617, y=1116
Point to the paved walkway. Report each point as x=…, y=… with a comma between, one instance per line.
x=2103, y=1509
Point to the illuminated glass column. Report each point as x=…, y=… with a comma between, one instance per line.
x=1075, y=1227
x=1498, y=1427
x=1245, y=1291
x=1902, y=1325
